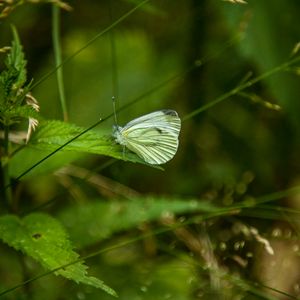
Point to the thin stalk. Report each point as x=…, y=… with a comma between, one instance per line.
x=58, y=59
x=5, y=169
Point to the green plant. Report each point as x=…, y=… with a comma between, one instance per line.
x=70, y=194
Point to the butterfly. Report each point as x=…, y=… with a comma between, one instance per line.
x=153, y=137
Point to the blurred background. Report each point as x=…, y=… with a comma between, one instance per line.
x=180, y=55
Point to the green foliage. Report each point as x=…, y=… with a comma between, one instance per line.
x=16, y=63
x=148, y=281
x=54, y=134
x=24, y=111
x=95, y=221
x=28, y=156
x=44, y=238
x=13, y=78
x=13, y=87
x=204, y=231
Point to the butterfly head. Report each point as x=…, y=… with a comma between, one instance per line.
x=118, y=135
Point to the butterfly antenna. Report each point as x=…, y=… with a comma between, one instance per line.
x=115, y=110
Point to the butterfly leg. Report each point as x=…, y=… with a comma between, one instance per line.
x=124, y=149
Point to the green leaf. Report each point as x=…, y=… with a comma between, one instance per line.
x=7, y=79
x=92, y=222
x=13, y=78
x=44, y=239
x=27, y=157
x=13, y=89
x=16, y=60
x=51, y=135
x=24, y=111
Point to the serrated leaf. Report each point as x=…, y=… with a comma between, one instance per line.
x=24, y=111
x=50, y=135
x=92, y=222
x=13, y=87
x=13, y=78
x=16, y=60
x=7, y=80
x=44, y=239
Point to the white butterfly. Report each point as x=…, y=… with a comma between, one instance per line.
x=153, y=137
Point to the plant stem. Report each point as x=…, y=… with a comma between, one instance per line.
x=5, y=169
x=58, y=59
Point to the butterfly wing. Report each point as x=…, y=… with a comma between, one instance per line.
x=153, y=137
x=165, y=117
